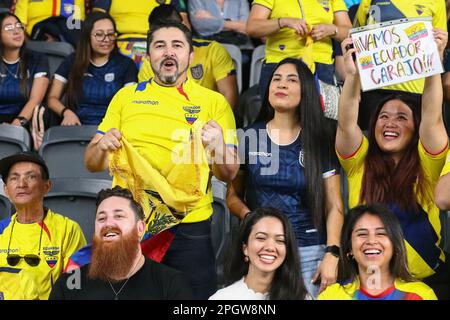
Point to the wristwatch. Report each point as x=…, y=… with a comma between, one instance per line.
x=334, y=250
x=22, y=120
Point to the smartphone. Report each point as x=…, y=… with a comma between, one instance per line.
x=350, y=46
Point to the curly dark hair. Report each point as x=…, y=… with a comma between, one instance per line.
x=118, y=191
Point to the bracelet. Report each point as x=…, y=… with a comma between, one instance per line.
x=62, y=112
x=279, y=24
x=335, y=32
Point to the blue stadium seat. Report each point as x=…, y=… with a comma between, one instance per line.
x=13, y=139
x=63, y=150
x=75, y=199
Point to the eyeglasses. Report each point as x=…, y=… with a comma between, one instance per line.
x=101, y=36
x=32, y=260
x=10, y=27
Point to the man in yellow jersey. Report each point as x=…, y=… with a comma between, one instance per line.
x=212, y=66
x=51, y=20
x=377, y=11
x=155, y=117
x=131, y=20
x=35, y=238
x=442, y=196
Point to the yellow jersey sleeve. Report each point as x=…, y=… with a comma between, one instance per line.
x=338, y=5
x=266, y=3
x=74, y=241
x=432, y=164
x=113, y=114
x=353, y=163
x=223, y=115
x=222, y=63
x=446, y=168
x=440, y=16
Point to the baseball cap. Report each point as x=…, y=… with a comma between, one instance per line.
x=24, y=156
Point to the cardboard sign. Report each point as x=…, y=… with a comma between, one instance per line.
x=395, y=52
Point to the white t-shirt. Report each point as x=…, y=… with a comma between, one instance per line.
x=238, y=291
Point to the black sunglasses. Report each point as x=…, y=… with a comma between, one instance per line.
x=32, y=260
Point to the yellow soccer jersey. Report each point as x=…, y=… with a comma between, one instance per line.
x=31, y=12
x=17, y=284
x=422, y=247
x=61, y=237
x=400, y=291
x=131, y=16
x=157, y=120
x=211, y=63
x=286, y=43
x=388, y=10
x=446, y=168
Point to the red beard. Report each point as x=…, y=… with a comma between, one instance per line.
x=113, y=260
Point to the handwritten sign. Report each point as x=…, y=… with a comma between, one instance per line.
x=395, y=52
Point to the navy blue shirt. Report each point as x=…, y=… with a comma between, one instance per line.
x=276, y=178
x=100, y=84
x=12, y=100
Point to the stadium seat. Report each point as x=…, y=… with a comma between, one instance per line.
x=75, y=199
x=255, y=67
x=219, y=188
x=63, y=150
x=248, y=107
x=445, y=230
x=6, y=208
x=220, y=235
x=13, y=139
x=236, y=56
x=55, y=51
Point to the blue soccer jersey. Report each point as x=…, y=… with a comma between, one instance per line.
x=276, y=178
x=100, y=84
x=12, y=99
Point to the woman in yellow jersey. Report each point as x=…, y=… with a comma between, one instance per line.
x=373, y=264
x=288, y=24
x=399, y=164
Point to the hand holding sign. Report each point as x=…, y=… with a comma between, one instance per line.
x=348, y=50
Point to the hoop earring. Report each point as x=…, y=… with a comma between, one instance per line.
x=350, y=256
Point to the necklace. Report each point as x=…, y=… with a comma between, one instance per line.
x=116, y=294
x=11, y=63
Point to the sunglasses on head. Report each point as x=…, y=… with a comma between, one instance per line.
x=32, y=260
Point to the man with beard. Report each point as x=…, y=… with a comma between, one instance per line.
x=157, y=117
x=118, y=270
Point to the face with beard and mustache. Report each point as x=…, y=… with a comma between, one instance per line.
x=116, y=243
x=170, y=56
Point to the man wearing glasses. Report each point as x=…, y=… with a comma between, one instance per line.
x=34, y=238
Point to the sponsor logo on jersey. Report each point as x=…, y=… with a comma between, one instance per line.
x=301, y=158
x=197, y=71
x=150, y=102
x=260, y=154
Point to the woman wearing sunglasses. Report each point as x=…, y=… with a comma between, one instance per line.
x=23, y=73
x=91, y=76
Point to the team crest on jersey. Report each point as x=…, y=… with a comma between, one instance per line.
x=51, y=256
x=109, y=77
x=197, y=71
x=301, y=158
x=419, y=9
x=325, y=4
x=190, y=118
x=192, y=109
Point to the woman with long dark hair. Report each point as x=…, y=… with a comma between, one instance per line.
x=289, y=164
x=264, y=260
x=91, y=76
x=373, y=263
x=399, y=164
x=23, y=73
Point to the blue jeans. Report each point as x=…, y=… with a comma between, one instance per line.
x=191, y=252
x=310, y=258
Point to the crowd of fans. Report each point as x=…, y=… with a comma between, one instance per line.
x=143, y=70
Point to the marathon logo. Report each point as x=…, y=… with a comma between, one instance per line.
x=150, y=102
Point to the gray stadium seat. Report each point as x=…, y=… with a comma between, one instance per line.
x=6, y=208
x=248, y=107
x=258, y=56
x=55, y=51
x=75, y=199
x=13, y=139
x=236, y=56
x=220, y=235
x=445, y=230
x=63, y=150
